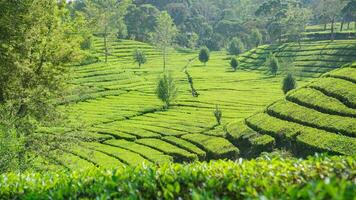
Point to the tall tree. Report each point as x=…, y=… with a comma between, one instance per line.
x=140, y=21
x=164, y=34
x=330, y=10
x=37, y=41
x=349, y=14
x=296, y=21
x=272, y=12
x=288, y=83
x=107, y=18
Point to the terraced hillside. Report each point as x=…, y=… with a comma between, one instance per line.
x=309, y=59
x=319, y=117
x=118, y=120
x=322, y=32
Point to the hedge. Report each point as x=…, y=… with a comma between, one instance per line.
x=308, y=117
x=215, y=147
x=270, y=178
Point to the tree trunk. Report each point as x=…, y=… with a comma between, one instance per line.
x=164, y=58
x=2, y=98
x=325, y=27
x=332, y=29
x=342, y=25
x=106, y=47
x=348, y=25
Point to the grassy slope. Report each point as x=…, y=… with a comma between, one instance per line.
x=115, y=102
x=319, y=117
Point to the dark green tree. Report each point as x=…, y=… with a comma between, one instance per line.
x=204, y=55
x=289, y=83
x=139, y=57
x=36, y=45
x=166, y=89
x=235, y=47
x=141, y=21
x=255, y=38
x=234, y=63
x=273, y=64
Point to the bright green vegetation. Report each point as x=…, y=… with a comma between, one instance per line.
x=119, y=108
x=276, y=178
x=215, y=147
x=338, y=88
x=310, y=59
x=316, y=118
x=315, y=99
x=250, y=142
x=178, y=154
x=146, y=152
x=178, y=99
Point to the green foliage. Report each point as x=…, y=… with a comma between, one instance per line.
x=274, y=178
x=235, y=47
x=141, y=21
x=218, y=114
x=317, y=100
x=139, y=57
x=153, y=155
x=166, y=89
x=288, y=83
x=299, y=139
x=215, y=147
x=255, y=38
x=179, y=155
x=250, y=142
x=309, y=117
x=185, y=145
x=204, y=55
x=164, y=34
x=234, y=63
x=337, y=88
x=273, y=64
x=11, y=146
x=36, y=46
x=107, y=19
x=87, y=43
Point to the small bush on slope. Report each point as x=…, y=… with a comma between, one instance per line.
x=276, y=178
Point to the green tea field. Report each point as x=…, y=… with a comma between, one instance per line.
x=123, y=122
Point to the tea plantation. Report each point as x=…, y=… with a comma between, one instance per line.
x=116, y=118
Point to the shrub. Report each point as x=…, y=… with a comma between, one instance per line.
x=166, y=89
x=235, y=47
x=204, y=55
x=89, y=59
x=234, y=63
x=289, y=83
x=139, y=57
x=273, y=64
x=86, y=43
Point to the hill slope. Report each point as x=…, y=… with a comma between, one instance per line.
x=118, y=120
x=319, y=117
